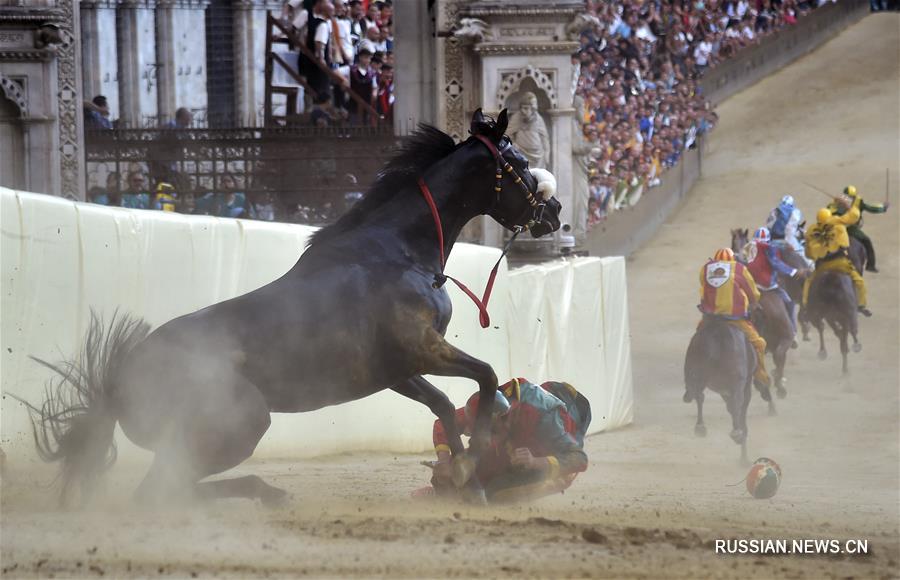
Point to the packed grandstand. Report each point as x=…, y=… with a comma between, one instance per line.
x=639, y=65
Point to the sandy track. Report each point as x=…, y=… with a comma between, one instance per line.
x=656, y=495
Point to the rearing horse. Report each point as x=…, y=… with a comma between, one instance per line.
x=362, y=310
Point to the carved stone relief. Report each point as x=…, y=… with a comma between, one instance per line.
x=14, y=90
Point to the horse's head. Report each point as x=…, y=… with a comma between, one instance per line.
x=523, y=197
x=739, y=240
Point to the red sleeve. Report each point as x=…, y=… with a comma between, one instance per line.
x=741, y=281
x=439, y=436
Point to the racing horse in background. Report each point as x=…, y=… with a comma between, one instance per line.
x=832, y=299
x=362, y=310
x=720, y=358
x=772, y=319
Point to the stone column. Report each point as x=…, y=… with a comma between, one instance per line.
x=244, y=62
x=136, y=52
x=70, y=115
x=90, y=49
x=414, y=78
x=165, y=59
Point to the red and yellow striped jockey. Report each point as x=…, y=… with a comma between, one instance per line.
x=727, y=290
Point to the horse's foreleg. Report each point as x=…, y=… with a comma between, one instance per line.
x=418, y=389
x=803, y=320
x=446, y=360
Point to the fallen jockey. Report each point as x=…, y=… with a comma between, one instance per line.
x=784, y=225
x=829, y=245
x=765, y=264
x=852, y=199
x=536, y=445
x=727, y=291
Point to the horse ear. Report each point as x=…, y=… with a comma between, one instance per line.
x=746, y=233
x=502, y=124
x=478, y=125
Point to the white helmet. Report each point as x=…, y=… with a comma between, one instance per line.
x=762, y=235
x=788, y=200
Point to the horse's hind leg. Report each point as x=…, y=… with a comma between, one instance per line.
x=779, y=355
x=216, y=428
x=823, y=354
x=699, y=428
x=803, y=320
x=853, y=328
x=740, y=418
x=841, y=333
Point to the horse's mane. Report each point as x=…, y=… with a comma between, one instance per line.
x=419, y=151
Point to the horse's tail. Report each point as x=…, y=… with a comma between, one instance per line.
x=76, y=422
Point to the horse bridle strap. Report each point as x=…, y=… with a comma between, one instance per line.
x=440, y=278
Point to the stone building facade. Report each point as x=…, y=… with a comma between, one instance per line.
x=40, y=113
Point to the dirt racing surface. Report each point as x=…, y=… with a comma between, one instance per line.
x=655, y=498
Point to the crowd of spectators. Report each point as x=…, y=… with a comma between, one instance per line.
x=354, y=40
x=227, y=201
x=639, y=65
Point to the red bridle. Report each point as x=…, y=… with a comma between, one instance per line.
x=483, y=317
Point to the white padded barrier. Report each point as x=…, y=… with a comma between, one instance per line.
x=566, y=320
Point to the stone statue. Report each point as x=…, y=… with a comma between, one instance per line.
x=472, y=30
x=529, y=132
x=581, y=155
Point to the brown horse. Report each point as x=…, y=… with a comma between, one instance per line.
x=772, y=319
x=721, y=359
x=832, y=299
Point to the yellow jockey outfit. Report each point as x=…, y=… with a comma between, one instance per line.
x=828, y=244
x=727, y=290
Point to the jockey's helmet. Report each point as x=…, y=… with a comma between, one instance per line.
x=823, y=215
x=850, y=190
x=788, y=200
x=501, y=405
x=762, y=235
x=724, y=255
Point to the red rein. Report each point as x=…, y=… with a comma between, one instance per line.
x=483, y=317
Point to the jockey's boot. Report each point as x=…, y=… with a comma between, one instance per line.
x=865, y=311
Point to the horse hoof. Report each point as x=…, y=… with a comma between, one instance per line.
x=857, y=347
x=823, y=354
x=772, y=410
x=794, y=345
x=461, y=469
x=700, y=430
x=473, y=495
x=737, y=435
x=781, y=392
x=805, y=338
x=688, y=397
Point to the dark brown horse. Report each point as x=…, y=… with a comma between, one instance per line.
x=720, y=358
x=772, y=320
x=832, y=299
x=362, y=310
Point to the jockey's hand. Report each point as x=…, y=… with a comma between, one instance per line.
x=523, y=458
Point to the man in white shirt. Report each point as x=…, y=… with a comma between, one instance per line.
x=342, y=42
